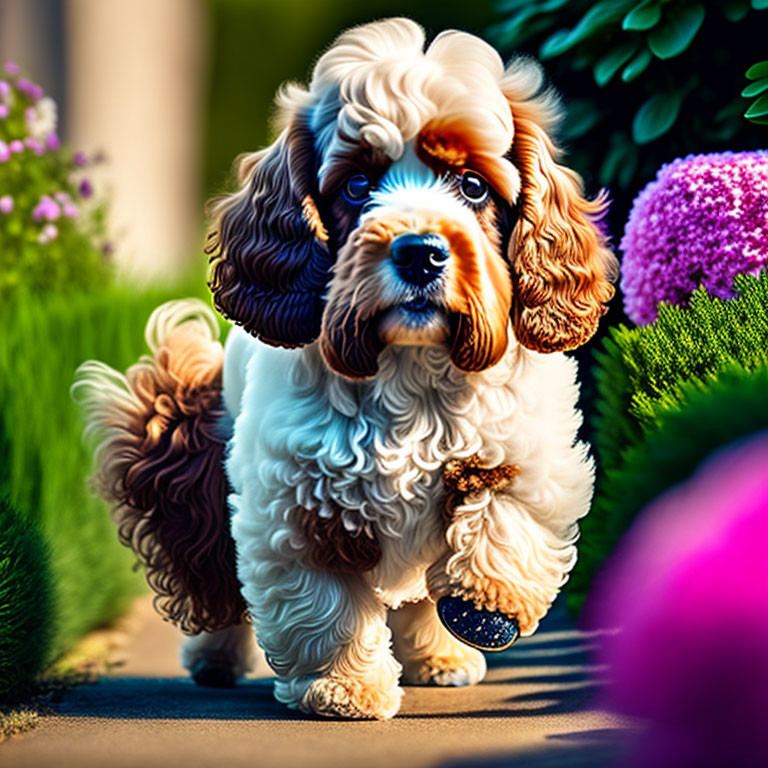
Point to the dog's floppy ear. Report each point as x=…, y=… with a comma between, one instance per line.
x=268, y=245
x=562, y=267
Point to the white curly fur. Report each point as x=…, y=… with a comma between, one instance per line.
x=304, y=435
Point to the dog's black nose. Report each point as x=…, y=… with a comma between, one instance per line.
x=419, y=259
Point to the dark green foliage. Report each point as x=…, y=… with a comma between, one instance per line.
x=668, y=394
x=26, y=606
x=640, y=372
x=641, y=70
x=758, y=110
x=705, y=418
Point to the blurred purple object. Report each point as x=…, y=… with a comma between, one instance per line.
x=12, y=68
x=6, y=204
x=4, y=111
x=80, y=159
x=689, y=588
x=17, y=147
x=85, y=189
x=701, y=222
x=5, y=152
x=5, y=89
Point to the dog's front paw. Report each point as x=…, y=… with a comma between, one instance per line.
x=478, y=627
x=344, y=697
x=464, y=666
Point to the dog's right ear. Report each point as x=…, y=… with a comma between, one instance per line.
x=268, y=245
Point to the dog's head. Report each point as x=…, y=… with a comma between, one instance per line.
x=412, y=197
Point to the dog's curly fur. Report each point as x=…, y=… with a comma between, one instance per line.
x=381, y=457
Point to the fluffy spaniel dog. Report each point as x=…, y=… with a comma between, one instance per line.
x=391, y=426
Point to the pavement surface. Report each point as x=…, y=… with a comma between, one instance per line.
x=536, y=709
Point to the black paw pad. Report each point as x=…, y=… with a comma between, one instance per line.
x=213, y=674
x=486, y=630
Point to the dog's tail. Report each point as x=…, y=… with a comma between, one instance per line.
x=160, y=433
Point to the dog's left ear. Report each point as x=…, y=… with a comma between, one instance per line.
x=268, y=244
x=562, y=267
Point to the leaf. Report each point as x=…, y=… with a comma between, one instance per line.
x=758, y=70
x=735, y=10
x=643, y=16
x=759, y=108
x=655, y=117
x=681, y=23
x=755, y=88
x=555, y=44
x=760, y=5
x=583, y=114
x=637, y=66
x=609, y=65
x=596, y=18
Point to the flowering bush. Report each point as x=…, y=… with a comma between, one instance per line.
x=700, y=223
x=52, y=232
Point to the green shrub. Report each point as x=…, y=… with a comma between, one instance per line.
x=703, y=418
x=26, y=607
x=43, y=461
x=642, y=73
x=641, y=371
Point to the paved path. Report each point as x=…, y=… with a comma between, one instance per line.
x=535, y=710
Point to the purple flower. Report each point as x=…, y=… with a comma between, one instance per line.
x=5, y=152
x=80, y=159
x=69, y=210
x=48, y=233
x=6, y=204
x=688, y=587
x=85, y=189
x=46, y=209
x=5, y=89
x=35, y=92
x=16, y=147
x=52, y=141
x=12, y=68
x=701, y=222
x=36, y=146
x=4, y=111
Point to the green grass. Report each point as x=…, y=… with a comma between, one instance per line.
x=43, y=460
x=26, y=600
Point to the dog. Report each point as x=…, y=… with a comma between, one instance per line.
x=392, y=422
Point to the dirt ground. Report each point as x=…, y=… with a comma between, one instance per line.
x=537, y=708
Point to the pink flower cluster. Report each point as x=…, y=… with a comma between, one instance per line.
x=688, y=586
x=700, y=223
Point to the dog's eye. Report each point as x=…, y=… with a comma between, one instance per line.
x=357, y=189
x=474, y=187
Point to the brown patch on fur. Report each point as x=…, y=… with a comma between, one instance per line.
x=312, y=217
x=162, y=468
x=463, y=477
x=444, y=148
x=333, y=548
x=561, y=263
x=479, y=292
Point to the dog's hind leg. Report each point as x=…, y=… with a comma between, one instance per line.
x=218, y=659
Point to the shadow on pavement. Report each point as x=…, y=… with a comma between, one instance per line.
x=599, y=748
x=177, y=698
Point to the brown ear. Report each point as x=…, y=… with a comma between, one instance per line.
x=562, y=267
x=268, y=246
